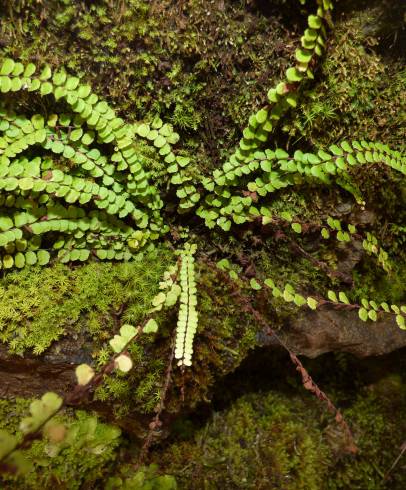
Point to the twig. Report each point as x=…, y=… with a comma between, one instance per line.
x=402, y=450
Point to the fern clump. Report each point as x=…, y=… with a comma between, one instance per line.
x=91, y=195
x=42, y=192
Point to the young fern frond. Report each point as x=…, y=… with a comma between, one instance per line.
x=179, y=283
x=332, y=228
x=367, y=309
x=285, y=95
x=188, y=316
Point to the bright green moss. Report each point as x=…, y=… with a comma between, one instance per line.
x=39, y=305
x=140, y=390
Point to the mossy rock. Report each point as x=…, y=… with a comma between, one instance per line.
x=271, y=440
x=41, y=305
x=57, y=317
x=153, y=62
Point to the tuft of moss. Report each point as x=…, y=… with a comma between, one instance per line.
x=274, y=439
x=379, y=434
x=39, y=305
x=264, y=440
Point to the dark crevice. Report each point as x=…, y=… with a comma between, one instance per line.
x=342, y=376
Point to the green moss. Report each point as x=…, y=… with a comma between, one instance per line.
x=359, y=93
x=379, y=435
x=262, y=441
x=39, y=305
x=275, y=440
x=91, y=39
x=379, y=285
x=87, y=459
x=268, y=439
x=140, y=390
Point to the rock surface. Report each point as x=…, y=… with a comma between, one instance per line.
x=31, y=376
x=310, y=334
x=315, y=333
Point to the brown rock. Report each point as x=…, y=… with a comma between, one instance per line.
x=313, y=333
